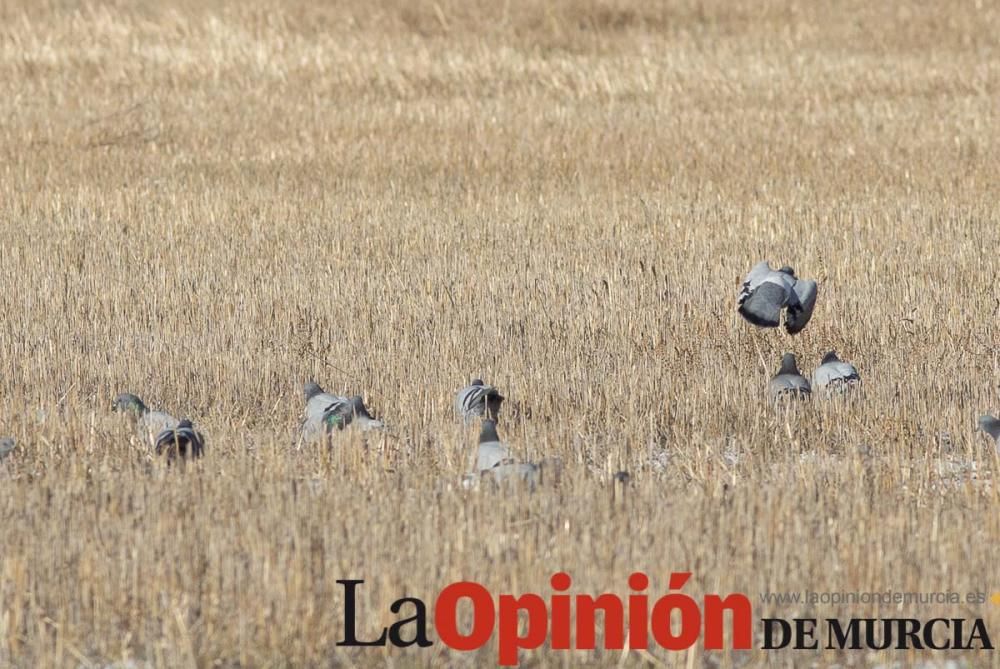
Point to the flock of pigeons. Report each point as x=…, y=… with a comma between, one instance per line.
x=765, y=293
x=763, y=296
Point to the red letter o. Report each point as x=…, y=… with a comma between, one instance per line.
x=446, y=614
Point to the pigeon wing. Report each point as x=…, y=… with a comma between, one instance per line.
x=802, y=300
x=763, y=305
x=757, y=274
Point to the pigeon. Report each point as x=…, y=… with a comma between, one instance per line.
x=181, y=442
x=495, y=462
x=7, y=446
x=765, y=292
x=835, y=375
x=325, y=413
x=491, y=451
x=991, y=426
x=788, y=382
x=149, y=424
x=477, y=400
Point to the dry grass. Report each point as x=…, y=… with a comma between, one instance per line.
x=208, y=203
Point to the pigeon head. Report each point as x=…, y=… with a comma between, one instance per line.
x=830, y=357
x=476, y=382
x=127, y=402
x=489, y=432
x=786, y=269
x=788, y=365
x=311, y=389
x=990, y=426
x=7, y=445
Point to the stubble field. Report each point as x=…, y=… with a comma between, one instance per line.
x=210, y=203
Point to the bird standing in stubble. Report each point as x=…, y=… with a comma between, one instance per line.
x=788, y=383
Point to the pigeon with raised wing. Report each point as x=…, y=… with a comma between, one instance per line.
x=149, y=424
x=765, y=292
x=834, y=375
x=788, y=382
x=478, y=400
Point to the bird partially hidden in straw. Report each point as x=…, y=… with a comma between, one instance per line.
x=991, y=426
x=148, y=423
x=788, y=383
x=159, y=430
x=478, y=400
x=7, y=446
x=494, y=462
x=182, y=442
x=834, y=376
x=326, y=413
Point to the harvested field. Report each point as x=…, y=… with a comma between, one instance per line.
x=210, y=203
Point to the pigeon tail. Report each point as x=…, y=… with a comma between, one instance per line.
x=358, y=405
x=182, y=441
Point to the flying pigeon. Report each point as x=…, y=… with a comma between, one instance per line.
x=477, y=400
x=835, y=375
x=7, y=446
x=788, y=382
x=765, y=292
x=182, y=441
x=149, y=424
x=991, y=426
x=325, y=413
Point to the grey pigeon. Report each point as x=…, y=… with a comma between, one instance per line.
x=182, y=442
x=788, y=382
x=765, y=292
x=991, y=426
x=491, y=451
x=495, y=463
x=7, y=446
x=325, y=413
x=834, y=375
x=478, y=400
x=149, y=424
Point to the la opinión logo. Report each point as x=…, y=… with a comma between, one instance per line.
x=675, y=621
x=552, y=620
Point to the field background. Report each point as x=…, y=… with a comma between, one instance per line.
x=208, y=203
